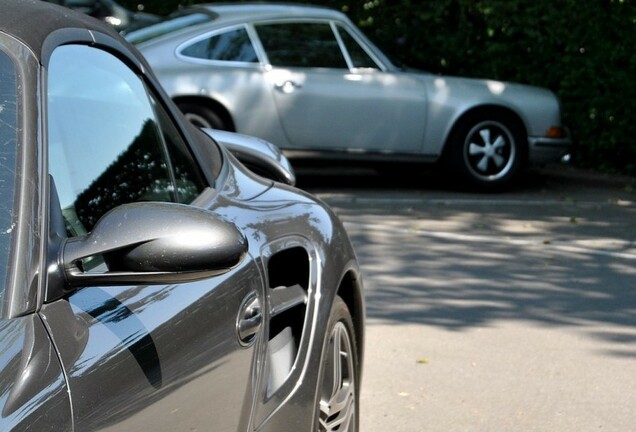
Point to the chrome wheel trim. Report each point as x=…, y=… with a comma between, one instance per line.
x=338, y=389
x=490, y=151
x=198, y=120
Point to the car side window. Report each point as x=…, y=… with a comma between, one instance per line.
x=189, y=180
x=301, y=45
x=233, y=45
x=107, y=146
x=357, y=54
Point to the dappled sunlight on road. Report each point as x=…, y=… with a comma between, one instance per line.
x=525, y=327
x=461, y=264
x=509, y=311
x=460, y=284
x=419, y=279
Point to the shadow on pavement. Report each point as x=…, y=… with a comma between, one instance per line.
x=510, y=266
x=317, y=177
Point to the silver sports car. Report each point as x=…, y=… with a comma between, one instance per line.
x=306, y=79
x=149, y=280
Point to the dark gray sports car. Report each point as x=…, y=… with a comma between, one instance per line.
x=150, y=281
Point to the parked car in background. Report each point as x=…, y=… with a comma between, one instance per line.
x=149, y=280
x=124, y=20
x=306, y=79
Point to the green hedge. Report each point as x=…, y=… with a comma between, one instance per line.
x=583, y=50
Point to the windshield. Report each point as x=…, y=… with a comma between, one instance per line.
x=8, y=143
x=171, y=24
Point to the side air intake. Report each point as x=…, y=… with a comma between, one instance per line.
x=288, y=273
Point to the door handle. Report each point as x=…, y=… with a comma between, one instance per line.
x=250, y=319
x=287, y=86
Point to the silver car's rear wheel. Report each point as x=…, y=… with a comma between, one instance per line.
x=202, y=116
x=338, y=397
x=488, y=150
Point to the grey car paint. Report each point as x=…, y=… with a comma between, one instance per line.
x=130, y=349
x=383, y=112
x=259, y=155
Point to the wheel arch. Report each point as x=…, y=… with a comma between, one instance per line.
x=496, y=112
x=211, y=104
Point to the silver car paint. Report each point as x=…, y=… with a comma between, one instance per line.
x=352, y=104
x=247, y=90
x=451, y=97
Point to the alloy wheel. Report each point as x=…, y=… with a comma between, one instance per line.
x=338, y=389
x=490, y=150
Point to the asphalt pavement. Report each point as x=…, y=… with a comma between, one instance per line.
x=513, y=311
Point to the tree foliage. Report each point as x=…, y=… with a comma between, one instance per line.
x=582, y=50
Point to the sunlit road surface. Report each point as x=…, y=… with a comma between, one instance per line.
x=495, y=312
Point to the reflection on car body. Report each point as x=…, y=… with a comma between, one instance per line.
x=257, y=154
x=150, y=281
x=122, y=19
x=332, y=94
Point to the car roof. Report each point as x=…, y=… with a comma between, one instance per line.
x=262, y=11
x=227, y=14
x=33, y=21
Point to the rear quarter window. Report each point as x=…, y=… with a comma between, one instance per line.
x=232, y=45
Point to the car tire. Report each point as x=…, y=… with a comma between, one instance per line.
x=488, y=150
x=338, y=393
x=202, y=116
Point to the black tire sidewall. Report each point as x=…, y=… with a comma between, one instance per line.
x=340, y=313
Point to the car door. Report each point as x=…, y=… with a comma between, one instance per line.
x=223, y=65
x=330, y=99
x=162, y=357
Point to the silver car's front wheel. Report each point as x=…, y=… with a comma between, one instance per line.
x=338, y=398
x=488, y=151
